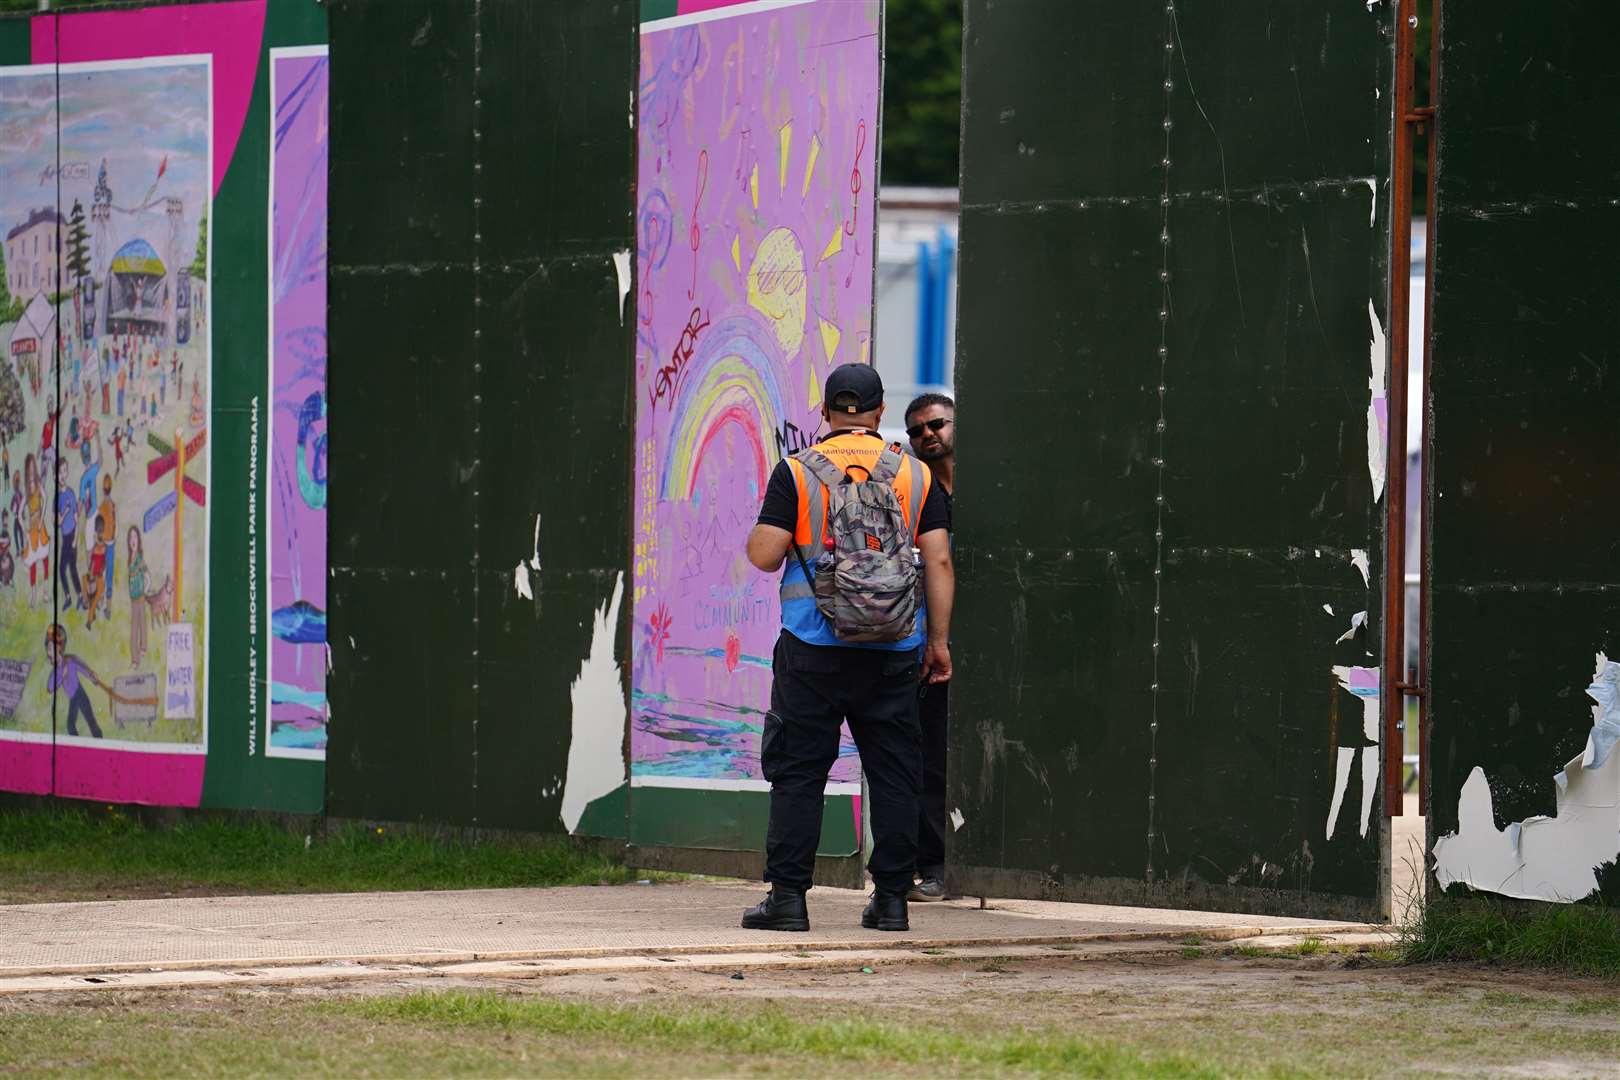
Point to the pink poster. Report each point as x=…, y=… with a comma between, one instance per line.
x=758, y=138
x=295, y=517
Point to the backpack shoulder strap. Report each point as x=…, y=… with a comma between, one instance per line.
x=820, y=465
x=888, y=464
x=816, y=469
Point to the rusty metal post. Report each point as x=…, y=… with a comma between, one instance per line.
x=1400, y=263
x=1401, y=683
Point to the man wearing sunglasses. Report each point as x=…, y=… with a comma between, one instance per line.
x=931, y=426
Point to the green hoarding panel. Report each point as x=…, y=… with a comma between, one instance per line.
x=1525, y=609
x=479, y=620
x=1172, y=289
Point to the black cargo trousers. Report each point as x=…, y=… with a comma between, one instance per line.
x=933, y=710
x=813, y=690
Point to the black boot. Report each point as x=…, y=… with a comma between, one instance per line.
x=782, y=909
x=886, y=912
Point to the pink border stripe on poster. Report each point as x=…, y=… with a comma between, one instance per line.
x=123, y=776
x=25, y=767
x=232, y=32
x=106, y=775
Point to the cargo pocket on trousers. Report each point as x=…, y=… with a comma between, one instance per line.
x=905, y=664
x=770, y=746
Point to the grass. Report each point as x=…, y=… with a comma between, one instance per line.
x=1601, y=1005
x=1579, y=939
x=71, y=854
x=1145, y=1021
x=772, y=1031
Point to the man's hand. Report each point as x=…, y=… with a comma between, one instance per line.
x=936, y=665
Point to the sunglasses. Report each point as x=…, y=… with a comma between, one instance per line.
x=936, y=425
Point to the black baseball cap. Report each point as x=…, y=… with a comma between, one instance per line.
x=862, y=380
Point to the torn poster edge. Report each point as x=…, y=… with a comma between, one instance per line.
x=1378, y=355
x=1484, y=857
x=621, y=266
x=596, y=744
x=1359, y=560
x=1363, y=683
x=520, y=576
x=1357, y=621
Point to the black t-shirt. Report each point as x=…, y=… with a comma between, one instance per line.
x=781, y=505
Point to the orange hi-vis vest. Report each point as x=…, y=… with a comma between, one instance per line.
x=849, y=450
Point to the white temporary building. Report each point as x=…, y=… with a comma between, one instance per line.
x=34, y=336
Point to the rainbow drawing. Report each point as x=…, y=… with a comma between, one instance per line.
x=731, y=380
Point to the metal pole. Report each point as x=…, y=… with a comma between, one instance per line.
x=925, y=316
x=1395, y=681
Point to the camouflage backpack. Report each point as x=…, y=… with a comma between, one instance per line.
x=866, y=581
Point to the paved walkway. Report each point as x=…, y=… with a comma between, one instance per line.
x=620, y=924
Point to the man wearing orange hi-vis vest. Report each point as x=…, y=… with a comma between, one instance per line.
x=848, y=517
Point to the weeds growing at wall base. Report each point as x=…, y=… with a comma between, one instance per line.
x=1579, y=939
x=72, y=855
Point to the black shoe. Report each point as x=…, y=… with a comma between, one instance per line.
x=782, y=909
x=885, y=912
x=927, y=890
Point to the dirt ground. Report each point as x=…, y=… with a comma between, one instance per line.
x=1337, y=1015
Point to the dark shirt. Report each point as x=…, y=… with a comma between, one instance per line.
x=781, y=505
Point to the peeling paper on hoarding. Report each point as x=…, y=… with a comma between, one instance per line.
x=1372, y=186
x=1358, y=559
x=1546, y=858
x=520, y=576
x=596, y=750
x=1363, y=683
x=1605, y=691
x=1357, y=621
x=1378, y=406
x=957, y=820
x=621, y=266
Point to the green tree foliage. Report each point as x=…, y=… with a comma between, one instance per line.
x=78, y=243
x=922, y=92
x=12, y=419
x=199, y=265
x=7, y=302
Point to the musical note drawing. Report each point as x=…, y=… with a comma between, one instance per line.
x=855, y=199
x=696, y=233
